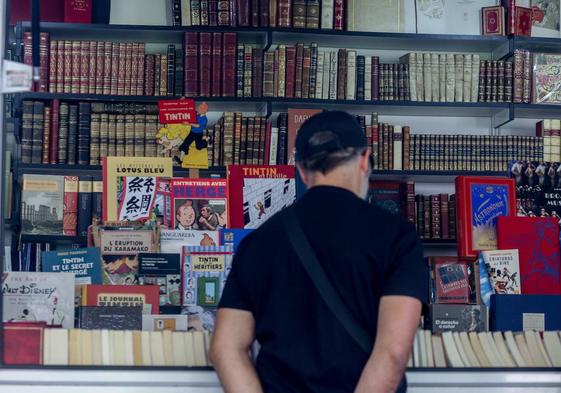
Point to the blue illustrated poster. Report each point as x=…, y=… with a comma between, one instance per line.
x=85, y=263
x=487, y=203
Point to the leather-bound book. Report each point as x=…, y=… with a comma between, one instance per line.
x=482, y=80
x=204, y=12
x=122, y=78
x=341, y=73
x=149, y=75
x=339, y=15
x=527, y=90
x=141, y=66
x=518, y=77
x=75, y=68
x=170, y=73
x=313, y=70
x=273, y=13
x=53, y=81
x=63, y=133
x=205, y=63
x=306, y=64
x=113, y=71
x=213, y=12
x=70, y=212
x=224, y=13
x=84, y=124
x=191, y=64
x=37, y=133
x=494, y=80
x=264, y=13
x=299, y=64
x=257, y=72
x=244, y=12
x=285, y=13
x=91, y=79
x=299, y=14
x=229, y=43
x=53, y=139
x=84, y=67
x=44, y=61
x=444, y=216
x=312, y=14
x=216, y=80
x=163, y=91
x=100, y=81
x=72, y=133
x=240, y=55
x=254, y=10
x=67, y=79
x=501, y=81
x=375, y=78
x=247, y=71
x=46, y=135
x=508, y=75
x=289, y=84
x=178, y=77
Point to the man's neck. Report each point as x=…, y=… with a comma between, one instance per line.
x=345, y=184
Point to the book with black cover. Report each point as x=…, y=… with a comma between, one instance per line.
x=112, y=318
x=72, y=133
x=84, y=120
x=163, y=270
x=84, y=204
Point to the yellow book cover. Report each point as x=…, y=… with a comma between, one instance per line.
x=114, y=168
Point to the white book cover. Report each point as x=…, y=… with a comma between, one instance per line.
x=427, y=76
x=48, y=297
x=326, y=75
x=475, y=62
x=173, y=240
x=411, y=60
x=419, y=76
x=97, y=347
x=179, y=354
x=368, y=78
x=542, y=349
x=504, y=354
x=327, y=14
x=439, y=358
x=422, y=348
x=524, y=350
x=513, y=349
x=452, y=353
x=553, y=347
x=442, y=76
x=168, y=347
x=467, y=77
x=185, y=12
x=503, y=267
x=199, y=349
x=106, y=348
x=478, y=349
x=333, y=76
x=428, y=346
x=451, y=16
x=459, y=69
x=157, y=348
x=129, y=348
x=146, y=352
x=461, y=351
x=319, y=75
x=351, y=75
x=435, y=75
x=450, y=77
x=491, y=349
x=534, y=350
x=397, y=148
x=273, y=148
x=469, y=349
x=190, y=349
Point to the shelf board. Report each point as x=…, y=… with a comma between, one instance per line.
x=393, y=41
x=143, y=33
x=537, y=44
x=536, y=111
x=25, y=238
x=439, y=243
x=430, y=176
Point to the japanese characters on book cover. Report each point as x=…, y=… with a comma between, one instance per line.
x=257, y=192
x=480, y=200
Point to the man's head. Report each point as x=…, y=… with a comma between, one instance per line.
x=206, y=211
x=331, y=149
x=203, y=108
x=186, y=214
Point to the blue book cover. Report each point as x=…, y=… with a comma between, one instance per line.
x=85, y=263
x=233, y=237
x=518, y=313
x=484, y=284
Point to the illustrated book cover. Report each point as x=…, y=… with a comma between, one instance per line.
x=479, y=201
x=456, y=280
x=164, y=271
x=296, y=117
x=85, y=263
x=173, y=240
x=457, y=318
x=503, y=268
x=204, y=273
x=546, y=78
x=115, y=168
x=388, y=195
x=42, y=204
x=537, y=241
x=47, y=297
x=145, y=296
x=199, y=204
x=257, y=192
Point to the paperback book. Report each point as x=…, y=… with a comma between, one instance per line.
x=85, y=263
x=164, y=271
x=173, y=240
x=145, y=296
x=47, y=297
x=42, y=204
x=503, y=269
x=112, y=318
x=456, y=280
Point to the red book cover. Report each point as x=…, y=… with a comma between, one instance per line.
x=290, y=71
x=92, y=71
x=480, y=200
x=216, y=80
x=451, y=280
x=100, y=79
x=229, y=43
x=52, y=67
x=493, y=20
x=205, y=63
x=198, y=204
x=70, y=212
x=296, y=117
x=78, y=11
x=51, y=11
x=177, y=111
x=509, y=6
x=44, y=61
x=53, y=153
x=191, y=64
x=140, y=70
x=249, y=209
x=242, y=9
x=339, y=15
x=23, y=342
x=523, y=21
x=122, y=295
x=537, y=241
x=84, y=67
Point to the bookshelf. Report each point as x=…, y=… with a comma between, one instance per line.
x=500, y=114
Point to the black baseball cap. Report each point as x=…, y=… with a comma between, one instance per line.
x=345, y=127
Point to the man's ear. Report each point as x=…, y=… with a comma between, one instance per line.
x=364, y=161
x=303, y=174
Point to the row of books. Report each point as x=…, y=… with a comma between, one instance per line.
x=435, y=216
x=486, y=349
x=550, y=130
x=60, y=132
x=32, y=343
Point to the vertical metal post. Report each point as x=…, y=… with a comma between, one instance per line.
x=3, y=37
x=35, y=19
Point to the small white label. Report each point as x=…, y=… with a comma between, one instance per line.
x=16, y=77
x=533, y=321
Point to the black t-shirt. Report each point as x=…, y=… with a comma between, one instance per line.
x=366, y=252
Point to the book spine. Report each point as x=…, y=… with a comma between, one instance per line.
x=341, y=74
x=452, y=217
x=44, y=61
x=333, y=68
x=450, y=78
x=313, y=70
x=63, y=133
x=360, y=82
x=138, y=135
x=299, y=14
x=264, y=13
x=120, y=136
x=84, y=67
x=100, y=81
x=482, y=80
x=350, y=84
x=37, y=135
x=444, y=216
x=203, y=12
x=368, y=78
x=501, y=81
x=92, y=71
x=55, y=113
x=95, y=126
x=427, y=217
x=494, y=81
x=191, y=64
x=518, y=77
x=488, y=80
x=70, y=212
x=327, y=14
x=178, y=78
x=46, y=135
x=84, y=122
x=527, y=89
x=306, y=66
x=254, y=6
x=185, y=12
x=299, y=70
x=112, y=136
x=427, y=76
x=224, y=13
x=285, y=13
x=410, y=201
x=240, y=55
x=320, y=75
x=53, y=82
x=406, y=147
x=67, y=78
x=163, y=91
x=467, y=78
x=229, y=65
x=195, y=12
x=213, y=12
x=411, y=59
x=205, y=63
x=117, y=68
x=459, y=94
x=247, y=70
x=85, y=189
x=375, y=78
x=132, y=88
x=26, y=132
x=216, y=80
x=397, y=148
x=475, y=62
x=339, y=15
x=312, y=14
x=375, y=145
x=268, y=74
x=176, y=12
x=257, y=72
x=287, y=70
x=435, y=76
x=149, y=70
x=508, y=81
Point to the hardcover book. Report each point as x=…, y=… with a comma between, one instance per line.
x=525, y=312
x=47, y=297
x=546, y=80
x=457, y=318
x=523, y=21
x=114, y=168
x=233, y=237
x=173, y=240
x=164, y=271
x=387, y=195
x=145, y=296
x=503, y=269
x=78, y=11
x=296, y=117
x=456, y=280
x=493, y=20
x=42, y=204
x=85, y=263
x=479, y=201
x=23, y=342
x=545, y=18
x=112, y=318
x=537, y=241
x=257, y=192
x=119, y=254
x=199, y=204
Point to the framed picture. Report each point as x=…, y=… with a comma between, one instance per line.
x=208, y=291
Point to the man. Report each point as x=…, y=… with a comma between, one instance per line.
x=377, y=269
x=209, y=219
x=197, y=131
x=185, y=216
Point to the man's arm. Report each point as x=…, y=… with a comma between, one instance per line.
x=229, y=351
x=398, y=319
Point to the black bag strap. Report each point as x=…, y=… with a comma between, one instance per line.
x=317, y=274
